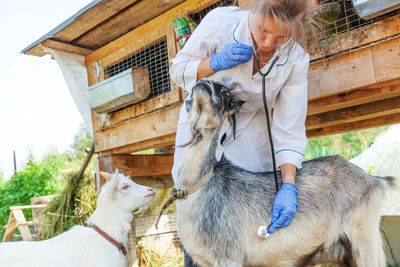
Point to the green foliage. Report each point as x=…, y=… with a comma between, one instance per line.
x=82, y=141
x=1, y=178
x=45, y=177
x=36, y=179
x=348, y=145
x=77, y=201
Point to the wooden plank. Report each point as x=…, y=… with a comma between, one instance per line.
x=386, y=58
x=152, y=126
x=37, y=50
x=143, y=108
x=161, y=141
x=356, y=113
x=354, y=97
x=341, y=73
x=162, y=181
x=93, y=17
x=127, y=19
x=149, y=170
x=142, y=165
x=352, y=126
x=74, y=49
x=145, y=225
x=357, y=69
x=359, y=37
x=21, y=224
x=36, y=206
x=155, y=25
x=10, y=229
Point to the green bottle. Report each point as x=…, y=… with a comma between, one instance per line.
x=182, y=31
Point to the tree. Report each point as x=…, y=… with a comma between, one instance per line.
x=348, y=144
x=82, y=141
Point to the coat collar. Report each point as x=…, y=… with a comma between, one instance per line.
x=241, y=34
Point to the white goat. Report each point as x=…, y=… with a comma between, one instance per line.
x=83, y=246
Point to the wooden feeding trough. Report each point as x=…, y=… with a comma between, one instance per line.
x=354, y=77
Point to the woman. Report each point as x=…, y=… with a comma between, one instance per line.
x=223, y=48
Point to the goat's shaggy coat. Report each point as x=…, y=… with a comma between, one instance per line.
x=82, y=246
x=338, y=203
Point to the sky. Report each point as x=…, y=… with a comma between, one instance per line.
x=36, y=109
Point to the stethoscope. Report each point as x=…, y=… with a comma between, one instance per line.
x=262, y=230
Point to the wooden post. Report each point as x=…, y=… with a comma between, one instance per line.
x=15, y=162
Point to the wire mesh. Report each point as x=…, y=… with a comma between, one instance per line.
x=347, y=32
x=152, y=50
x=155, y=57
x=199, y=15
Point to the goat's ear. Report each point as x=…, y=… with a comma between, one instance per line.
x=235, y=106
x=114, y=183
x=106, y=175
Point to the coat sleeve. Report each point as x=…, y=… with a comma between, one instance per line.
x=201, y=45
x=290, y=110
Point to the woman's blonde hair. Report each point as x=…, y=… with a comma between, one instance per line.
x=290, y=14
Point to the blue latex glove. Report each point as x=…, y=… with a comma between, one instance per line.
x=231, y=55
x=284, y=208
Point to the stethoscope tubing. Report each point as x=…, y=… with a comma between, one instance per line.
x=263, y=75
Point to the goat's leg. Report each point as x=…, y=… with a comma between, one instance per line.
x=364, y=234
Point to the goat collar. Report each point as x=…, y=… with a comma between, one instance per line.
x=183, y=194
x=120, y=246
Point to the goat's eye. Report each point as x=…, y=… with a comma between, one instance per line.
x=125, y=186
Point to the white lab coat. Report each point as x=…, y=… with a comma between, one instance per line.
x=286, y=92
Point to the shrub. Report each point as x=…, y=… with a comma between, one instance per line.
x=36, y=179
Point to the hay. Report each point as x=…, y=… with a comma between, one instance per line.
x=72, y=207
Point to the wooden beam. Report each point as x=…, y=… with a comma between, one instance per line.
x=357, y=69
x=341, y=73
x=152, y=126
x=352, y=126
x=359, y=37
x=354, y=97
x=35, y=206
x=129, y=18
x=10, y=229
x=141, y=165
x=149, y=170
x=386, y=59
x=139, y=109
x=53, y=44
x=353, y=114
x=161, y=141
x=92, y=17
x=155, y=25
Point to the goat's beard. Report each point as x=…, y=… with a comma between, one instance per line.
x=196, y=137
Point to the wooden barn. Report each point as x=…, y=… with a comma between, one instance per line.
x=115, y=56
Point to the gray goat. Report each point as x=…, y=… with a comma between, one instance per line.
x=338, y=203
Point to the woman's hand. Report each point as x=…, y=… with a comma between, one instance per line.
x=231, y=55
x=285, y=207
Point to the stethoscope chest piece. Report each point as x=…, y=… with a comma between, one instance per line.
x=262, y=232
